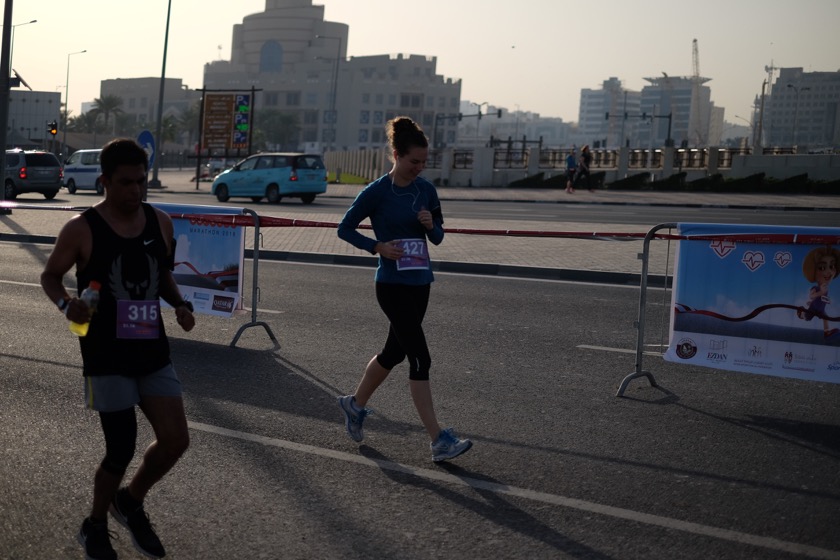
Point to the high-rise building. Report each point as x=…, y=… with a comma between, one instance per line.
x=802, y=109
x=298, y=64
x=608, y=117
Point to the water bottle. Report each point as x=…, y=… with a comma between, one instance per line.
x=90, y=296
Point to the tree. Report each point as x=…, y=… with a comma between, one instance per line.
x=108, y=106
x=188, y=123
x=276, y=130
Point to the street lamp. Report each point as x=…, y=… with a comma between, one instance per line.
x=752, y=126
x=12, y=43
x=796, y=111
x=333, y=115
x=67, y=104
x=155, y=182
x=478, y=121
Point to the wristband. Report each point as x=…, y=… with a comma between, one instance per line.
x=62, y=305
x=186, y=304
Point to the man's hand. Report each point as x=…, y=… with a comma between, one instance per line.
x=185, y=317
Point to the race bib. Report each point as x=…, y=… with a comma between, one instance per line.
x=138, y=318
x=415, y=254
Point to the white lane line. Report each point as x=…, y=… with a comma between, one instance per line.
x=543, y=497
x=619, y=350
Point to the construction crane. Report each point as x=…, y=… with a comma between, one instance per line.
x=698, y=124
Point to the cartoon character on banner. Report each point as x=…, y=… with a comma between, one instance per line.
x=821, y=267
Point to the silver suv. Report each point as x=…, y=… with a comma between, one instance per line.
x=32, y=171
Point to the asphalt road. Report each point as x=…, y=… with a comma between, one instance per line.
x=712, y=464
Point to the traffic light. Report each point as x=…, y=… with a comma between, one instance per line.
x=53, y=128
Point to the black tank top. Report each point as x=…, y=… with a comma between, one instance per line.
x=127, y=269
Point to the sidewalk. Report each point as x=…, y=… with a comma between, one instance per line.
x=537, y=257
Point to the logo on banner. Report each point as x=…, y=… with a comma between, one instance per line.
x=834, y=367
x=753, y=260
x=222, y=303
x=686, y=349
x=722, y=248
x=782, y=258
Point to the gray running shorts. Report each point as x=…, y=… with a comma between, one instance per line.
x=109, y=393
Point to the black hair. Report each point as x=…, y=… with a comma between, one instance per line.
x=404, y=134
x=122, y=151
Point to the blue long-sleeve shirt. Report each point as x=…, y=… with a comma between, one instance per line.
x=393, y=215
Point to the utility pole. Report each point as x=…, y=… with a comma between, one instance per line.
x=4, y=89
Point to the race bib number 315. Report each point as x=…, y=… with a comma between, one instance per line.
x=415, y=255
x=138, y=318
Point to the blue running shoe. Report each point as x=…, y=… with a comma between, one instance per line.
x=354, y=417
x=448, y=446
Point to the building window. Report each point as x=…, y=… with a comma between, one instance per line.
x=366, y=98
x=379, y=98
x=271, y=98
x=310, y=117
x=377, y=117
x=292, y=98
x=271, y=57
x=377, y=136
x=144, y=102
x=311, y=98
x=363, y=135
x=364, y=117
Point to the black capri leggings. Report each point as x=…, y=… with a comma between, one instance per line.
x=405, y=306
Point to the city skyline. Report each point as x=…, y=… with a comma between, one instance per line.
x=528, y=56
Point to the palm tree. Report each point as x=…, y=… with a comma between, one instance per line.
x=188, y=122
x=107, y=106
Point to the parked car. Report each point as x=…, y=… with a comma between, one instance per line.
x=82, y=171
x=273, y=176
x=32, y=171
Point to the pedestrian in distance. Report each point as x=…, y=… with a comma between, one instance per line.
x=571, y=168
x=405, y=213
x=584, y=163
x=127, y=247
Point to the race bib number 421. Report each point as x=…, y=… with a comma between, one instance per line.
x=138, y=318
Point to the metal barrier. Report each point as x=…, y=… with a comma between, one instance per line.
x=639, y=371
x=230, y=219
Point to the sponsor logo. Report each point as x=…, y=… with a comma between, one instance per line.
x=717, y=344
x=755, y=351
x=201, y=296
x=716, y=357
x=222, y=303
x=834, y=367
x=753, y=260
x=686, y=348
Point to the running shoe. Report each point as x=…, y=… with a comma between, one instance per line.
x=448, y=446
x=354, y=417
x=96, y=540
x=136, y=520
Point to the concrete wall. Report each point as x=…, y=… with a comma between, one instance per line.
x=371, y=164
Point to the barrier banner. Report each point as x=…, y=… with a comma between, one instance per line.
x=209, y=258
x=757, y=299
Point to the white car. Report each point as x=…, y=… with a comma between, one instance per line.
x=82, y=171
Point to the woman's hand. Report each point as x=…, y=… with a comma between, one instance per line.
x=425, y=218
x=389, y=249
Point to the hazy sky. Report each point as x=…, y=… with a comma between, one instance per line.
x=533, y=54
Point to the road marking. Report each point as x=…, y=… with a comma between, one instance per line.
x=619, y=350
x=533, y=495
